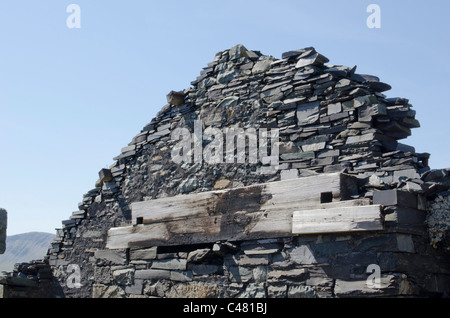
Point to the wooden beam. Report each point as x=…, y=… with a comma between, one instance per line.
x=337, y=219
x=282, y=195
x=253, y=212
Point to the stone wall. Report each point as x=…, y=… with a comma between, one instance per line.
x=29, y=280
x=438, y=217
x=3, y=225
x=328, y=265
x=293, y=267
x=330, y=119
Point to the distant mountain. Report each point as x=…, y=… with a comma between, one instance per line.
x=24, y=248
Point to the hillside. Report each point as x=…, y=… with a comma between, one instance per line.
x=24, y=247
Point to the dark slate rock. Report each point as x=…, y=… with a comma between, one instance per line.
x=296, y=53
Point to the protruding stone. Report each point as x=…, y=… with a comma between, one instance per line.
x=175, y=98
x=314, y=59
x=105, y=176
x=3, y=224
x=237, y=52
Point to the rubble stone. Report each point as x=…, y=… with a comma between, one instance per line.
x=3, y=225
x=328, y=118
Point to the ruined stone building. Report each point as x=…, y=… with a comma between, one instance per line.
x=268, y=177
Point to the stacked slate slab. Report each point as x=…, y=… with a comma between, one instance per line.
x=32, y=279
x=330, y=119
x=3, y=225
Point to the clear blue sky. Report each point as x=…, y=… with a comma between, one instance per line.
x=70, y=99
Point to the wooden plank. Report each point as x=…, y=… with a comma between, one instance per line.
x=282, y=195
x=258, y=211
x=338, y=219
x=204, y=229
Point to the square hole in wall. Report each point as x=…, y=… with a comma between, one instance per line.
x=326, y=197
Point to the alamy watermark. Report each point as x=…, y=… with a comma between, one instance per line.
x=231, y=149
x=73, y=21
x=74, y=278
x=374, y=19
x=374, y=279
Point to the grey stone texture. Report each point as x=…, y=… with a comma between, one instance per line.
x=3, y=227
x=330, y=119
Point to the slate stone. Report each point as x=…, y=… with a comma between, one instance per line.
x=405, y=174
x=314, y=147
x=227, y=75
x=348, y=288
x=297, y=53
x=395, y=197
x=314, y=59
x=274, y=291
x=144, y=254
x=396, y=101
x=303, y=255
x=362, y=78
x=329, y=153
x=298, y=155
x=331, y=120
x=306, y=72
x=254, y=290
x=123, y=277
x=360, y=139
x=327, y=161
x=237, y=52
x=261, y=66
x=253, y=55
x=300, y=291
x=271, y=92
x=308, y=113
x=198, y=255
x=136, y=288
x=231, y=101
x=334, y=108
x=111, y=257
x=247, y=66
x=169, y=264
x=3, y=226
x=203, y=269
x=434, y=175
x=367, y=113
x=78, y=215
x=181, y=276
x=240, y=274
x=152, y=274
x=175, y=98
x=279, y=276
x=378, y=86
x=405, y=243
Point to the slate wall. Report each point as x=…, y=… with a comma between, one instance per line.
x=329, y=118
x=3, y=226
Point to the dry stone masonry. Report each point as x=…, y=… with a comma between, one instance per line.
x=3, y=224
x=152, y=227
x=29, y=280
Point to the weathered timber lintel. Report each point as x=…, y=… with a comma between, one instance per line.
x=253, y=212
x=338, y=219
